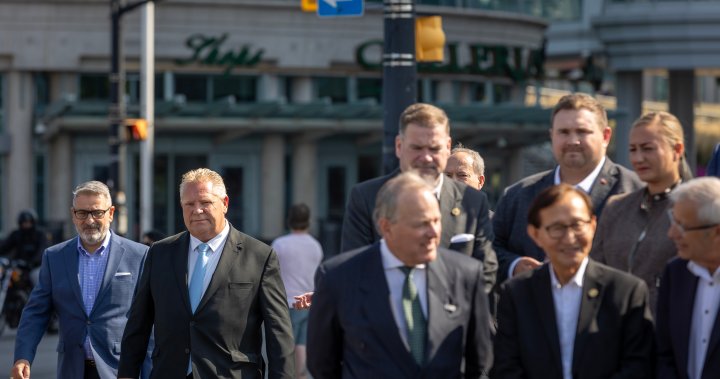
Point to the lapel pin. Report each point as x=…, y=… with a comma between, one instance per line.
x=593, y=293
x=603, y=181
x=450, y=307
x=455, y=211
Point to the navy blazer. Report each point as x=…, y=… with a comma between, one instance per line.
x=676, y=299
x=464, y=210
x=58, y=290
x=352, y=332
x=614, y=336
x=510, y=219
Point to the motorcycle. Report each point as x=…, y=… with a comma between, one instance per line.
x=15, y=287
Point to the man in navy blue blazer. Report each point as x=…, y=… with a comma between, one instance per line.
x=89, y=281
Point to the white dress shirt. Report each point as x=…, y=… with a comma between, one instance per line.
x=216, y=245
x=396, y=280
x=707, y=299
x=585, y=185
x=567, y=299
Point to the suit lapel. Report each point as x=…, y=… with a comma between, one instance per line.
x=231, y=251
x=603, y=184
x=546, y=311
x=376, y=309
x=115, y=253
x=591, y=298
x=180, y=266
x=683, y=303
x=450, y=198
x=70, y=259
x=438, y=297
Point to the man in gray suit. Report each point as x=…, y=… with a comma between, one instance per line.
x=89, y=282
x=209, y=291
x=580, y=136
x=423, y=145
x=402, y=307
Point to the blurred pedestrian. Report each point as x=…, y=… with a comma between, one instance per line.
x=300, y=255
x=466, y=166
x=27, y=242
x=632, y=236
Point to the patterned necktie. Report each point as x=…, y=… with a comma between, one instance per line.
x=198, y=276
x=414, y=318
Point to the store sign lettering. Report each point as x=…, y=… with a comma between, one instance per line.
x=207, y=50
x=517, y=63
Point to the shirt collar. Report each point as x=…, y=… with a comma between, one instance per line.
x=577, y=279
x=587, y=183
x=438, y=189
x=702, y=272
x=389, y=260
x=101, y=250
x=214, y=242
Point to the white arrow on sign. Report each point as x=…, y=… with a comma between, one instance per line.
x=333, y=3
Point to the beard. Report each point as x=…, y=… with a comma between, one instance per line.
x=93, y=234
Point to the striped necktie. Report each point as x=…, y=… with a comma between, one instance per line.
x=414, y=318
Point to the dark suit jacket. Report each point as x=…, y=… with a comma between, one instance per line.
x=352, y=332
x=223, y=337
x=614, y=334
x=510, y=220
x=676, y=299
x=464, y=210
x=58, y=290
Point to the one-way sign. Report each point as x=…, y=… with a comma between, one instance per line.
x=340, y=8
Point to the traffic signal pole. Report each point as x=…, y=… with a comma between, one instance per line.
x=399, y=72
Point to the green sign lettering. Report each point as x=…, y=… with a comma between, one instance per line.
x=206, y=51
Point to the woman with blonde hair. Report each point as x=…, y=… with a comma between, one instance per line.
x=632, y=234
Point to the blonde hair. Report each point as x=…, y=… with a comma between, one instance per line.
x=204, y=175
x=671, y=131
x=424, y=115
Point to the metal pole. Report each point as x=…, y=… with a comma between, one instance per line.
x=117, y=118
x=147, y=111
x=399, y=72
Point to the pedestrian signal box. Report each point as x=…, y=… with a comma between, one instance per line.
x=136, y=128
x=429, y=39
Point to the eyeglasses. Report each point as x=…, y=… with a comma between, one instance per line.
x=558, y=230
x=684, y=229
x=82, y=214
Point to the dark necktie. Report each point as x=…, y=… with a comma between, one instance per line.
x=414, y=319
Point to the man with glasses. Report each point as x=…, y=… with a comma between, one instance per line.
x=572, y=317
x=89, y=282
x=688, y=328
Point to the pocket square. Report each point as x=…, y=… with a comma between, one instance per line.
x=458, y=238
x=450, y=307
x=123, y=274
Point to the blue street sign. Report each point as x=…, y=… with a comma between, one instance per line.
x=340, y=8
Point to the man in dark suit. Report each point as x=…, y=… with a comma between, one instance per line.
x=580, y=135
x=688, y=326
x=402, y=307
x=88, y=281
x=423, y=145
x=572, y=317
x=208, y=291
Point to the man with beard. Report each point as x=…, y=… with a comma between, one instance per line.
x=423, y=145
x=580, y=136
x=89, y=282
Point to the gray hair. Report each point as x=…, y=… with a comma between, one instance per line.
x=478, y=161
x=204, y=175
x=389, y=195
x=704, y=193
x=92, y=187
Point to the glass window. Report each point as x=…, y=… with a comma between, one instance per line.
x=335, y=89
x=94, y=87
x=193, y=87
x=336, y=176
x=502, y=93
x=243, y=88
x=369, y=88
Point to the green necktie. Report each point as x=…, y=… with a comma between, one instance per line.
x=416, y=324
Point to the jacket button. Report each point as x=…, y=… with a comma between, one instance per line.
x=88, y=322
x=187, y=351
x=192, y=323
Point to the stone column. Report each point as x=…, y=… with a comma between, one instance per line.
x=302, y=90
x=305, y=174
x=60, y=182
x=628, y=86
x=273, y=186
x=681, y=103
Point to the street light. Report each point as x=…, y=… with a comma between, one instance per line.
x=116, y=181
